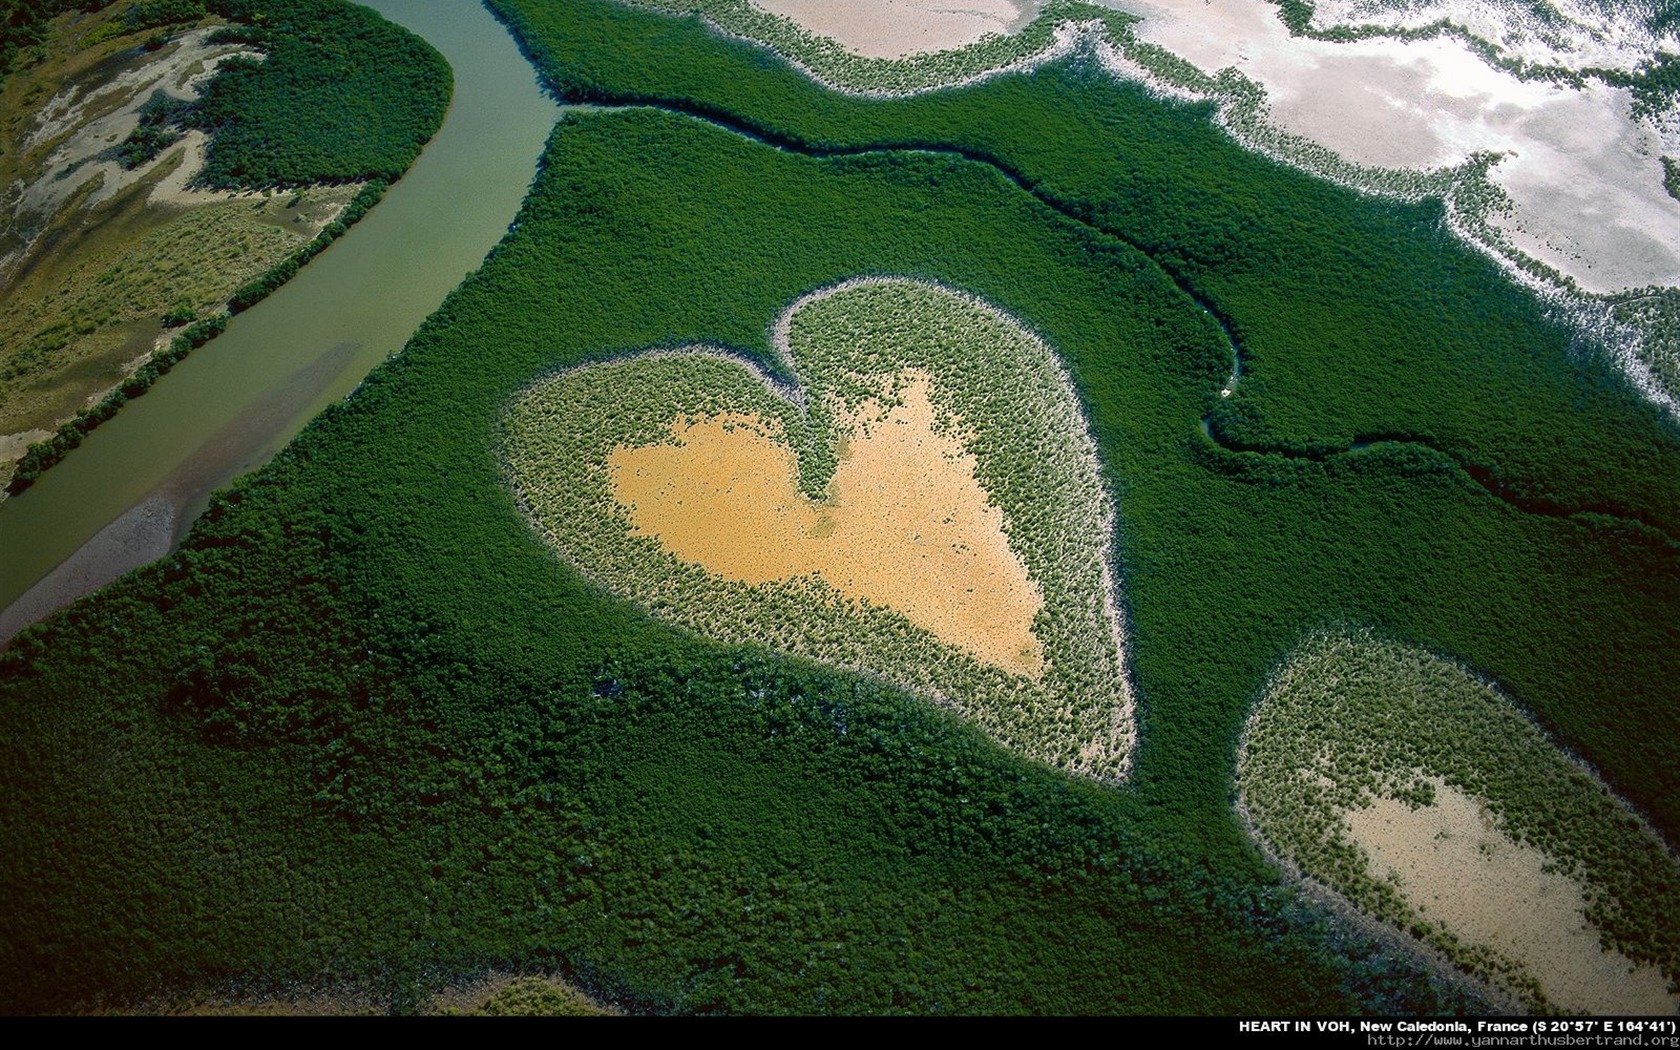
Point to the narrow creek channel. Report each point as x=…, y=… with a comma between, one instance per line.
x=134, y=487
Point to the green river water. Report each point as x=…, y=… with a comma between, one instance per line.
x=135, y=485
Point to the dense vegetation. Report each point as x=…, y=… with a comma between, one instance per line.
x=1350, y=718
x=154, y=132
x=365, y=725
x=1367, y=321
x=340, y=95
x=23, y=26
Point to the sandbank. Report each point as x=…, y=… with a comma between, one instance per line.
x=145, y=533
x=899, y=28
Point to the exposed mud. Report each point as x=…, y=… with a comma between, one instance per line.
x=899, y=28
x=907, y=524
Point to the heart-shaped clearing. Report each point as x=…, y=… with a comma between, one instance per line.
x=926, y=506
x=906, y=524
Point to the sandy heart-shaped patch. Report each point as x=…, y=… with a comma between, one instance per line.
x=924, y=504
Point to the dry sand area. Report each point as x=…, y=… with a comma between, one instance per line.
x=900, y=28
x=1584, y=178
x=906, y=525
x=1456, y=867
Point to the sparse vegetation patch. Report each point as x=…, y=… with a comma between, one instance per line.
x=1359, y=743
x=857, y=352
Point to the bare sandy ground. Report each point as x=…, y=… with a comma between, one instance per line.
x=13, y=446
x=79, y=124
x=899, y=28
x=173, y=187
x=1584, y=178
x=907, y=526
x=1455, y=866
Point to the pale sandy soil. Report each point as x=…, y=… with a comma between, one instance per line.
x=13, y=446
x=1584, y=177
x=907, y=524
x=173, y=187
x=82, y=121
x=899, y=28
x=1455, y=866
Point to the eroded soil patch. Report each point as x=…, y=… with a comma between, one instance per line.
x=906, y=526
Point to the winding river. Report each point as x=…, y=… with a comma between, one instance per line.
x=134, y=487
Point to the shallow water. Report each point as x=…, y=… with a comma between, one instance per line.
x=239, y=399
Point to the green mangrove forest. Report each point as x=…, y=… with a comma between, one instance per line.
x=366, y=729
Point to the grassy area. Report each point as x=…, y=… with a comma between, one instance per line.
x=536, y=997
x=74, y=326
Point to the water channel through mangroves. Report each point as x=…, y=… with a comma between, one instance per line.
x=133, y=488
